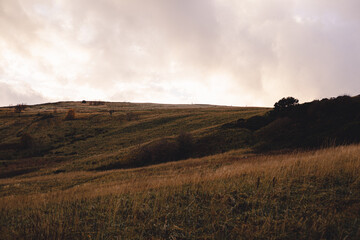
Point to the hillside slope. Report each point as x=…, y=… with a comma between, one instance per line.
x=53, y=184
x=334, y=121
x=303, y=195
x=96, y=139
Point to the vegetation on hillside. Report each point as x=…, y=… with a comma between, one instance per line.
x=310, y=125
x=311, y=195
x=180, y=171
x=95, y=140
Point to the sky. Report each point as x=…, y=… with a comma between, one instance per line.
x=224, y=52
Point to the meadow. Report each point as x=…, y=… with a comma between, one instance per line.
x=61, y=187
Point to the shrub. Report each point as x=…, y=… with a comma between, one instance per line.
x=156, y=152
x=164, y=150
x=253, y=123
x=70, y=115
x=19, y=108
x=349, y=133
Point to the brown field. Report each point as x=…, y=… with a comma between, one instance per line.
x=232, y=195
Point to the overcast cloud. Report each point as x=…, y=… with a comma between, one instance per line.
x=239, y=52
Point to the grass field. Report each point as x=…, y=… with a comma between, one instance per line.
x=305, y=195
x=96, y=139
x=236, y=194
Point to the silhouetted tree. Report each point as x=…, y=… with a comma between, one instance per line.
x=285, y=103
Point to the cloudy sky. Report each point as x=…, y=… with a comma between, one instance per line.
x=228, y=52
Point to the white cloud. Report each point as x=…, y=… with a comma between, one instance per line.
x=249, y=52
x=12, y=95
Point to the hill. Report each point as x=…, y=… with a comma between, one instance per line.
x=152, y=171
x=304, y=195
x=96, y=139
x=334, y=121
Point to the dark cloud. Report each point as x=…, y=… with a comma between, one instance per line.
x=247, y=52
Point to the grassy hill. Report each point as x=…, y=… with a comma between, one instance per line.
x=106, y=175
x=95, y=139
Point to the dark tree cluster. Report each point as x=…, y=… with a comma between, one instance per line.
x=314, y=124
x=308, y=125
x=285, y=104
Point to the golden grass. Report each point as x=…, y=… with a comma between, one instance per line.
x=234, y=195
x=302, y=195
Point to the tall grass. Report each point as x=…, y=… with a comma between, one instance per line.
x=303, y=195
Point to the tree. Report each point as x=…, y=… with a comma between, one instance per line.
x=19, y=108
x=285, y=104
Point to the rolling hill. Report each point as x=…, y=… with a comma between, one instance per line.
x=155, y=171
x=96, y=139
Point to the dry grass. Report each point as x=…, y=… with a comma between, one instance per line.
x=234, y=195
x=303, y=195
x=95, y=138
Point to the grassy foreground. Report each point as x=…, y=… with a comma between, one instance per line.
x=303, y=195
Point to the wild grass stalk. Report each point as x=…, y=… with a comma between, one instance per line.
x=304, y=195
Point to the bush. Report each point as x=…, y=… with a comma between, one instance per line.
x=349, y=133
x=19, y=108
x=70, y=115
x=253, y=123
x=156, y=152
x=164, y=150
